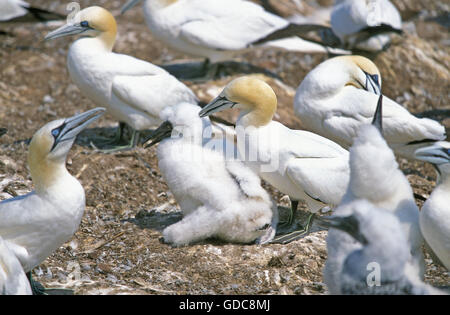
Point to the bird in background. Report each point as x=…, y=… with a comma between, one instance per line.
x=378, y=263
x=219, y=29
x=300, y=164
x=34, y=225
x=132, y=90
x=341, y=94
x=375, y=177
x=21, y=11
x=435, y=213
x=219, y=197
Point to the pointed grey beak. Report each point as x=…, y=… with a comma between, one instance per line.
x=373, y=83
x=129, y=5
x=219, y=104
x=349, y=224
x=67, y=30
x=435, y=154
x=74, y=125
x=164, y=131
x=378, y=116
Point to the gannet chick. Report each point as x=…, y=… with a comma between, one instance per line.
x=12, y=10
x=365, y=25
x=133, y=91
x=435, y=213
x=13, y=280
x=300, y=164
x=341, y=94
x=376, y=177
x=219, y=29
x=219, y=198
x=33, y=226
x=378, y=265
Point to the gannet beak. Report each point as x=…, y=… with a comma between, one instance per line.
x=349, y=224
x=373, y=83
x=3, y=131
x=378, y=116
x=434, y=154
x=74, y=125
x=219, y=104
x=164, y=131
x=129, y=5
x=67, y=30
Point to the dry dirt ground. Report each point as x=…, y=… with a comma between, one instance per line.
x=117, y=249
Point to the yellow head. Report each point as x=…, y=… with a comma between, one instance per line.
x=254, y=97
x=93, y=22
x=51, y=144
x=371, y=80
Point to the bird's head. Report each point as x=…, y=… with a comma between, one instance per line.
x=362, y=73
x=51, y=144
x=249, y=94
x=92, y=22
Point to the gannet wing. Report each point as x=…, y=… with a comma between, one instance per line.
x=228, y=25
x=399, y=126
x=143, y=92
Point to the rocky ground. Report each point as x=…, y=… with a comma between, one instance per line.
x=117, y=249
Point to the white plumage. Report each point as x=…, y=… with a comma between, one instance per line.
x=13, y=280
x=218, y=29
x=375, y=176
x=336, y=98
x=10, y=9
x=435, y=213
x=350, y=17
x=219, y=198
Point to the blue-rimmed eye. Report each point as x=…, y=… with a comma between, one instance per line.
x=375, y=78
x=55, y=132
x=84, y=24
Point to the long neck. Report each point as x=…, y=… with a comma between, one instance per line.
x=46, y=174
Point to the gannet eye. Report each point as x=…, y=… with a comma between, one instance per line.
x=55, y=132
x=375, y=78
x=84, y=24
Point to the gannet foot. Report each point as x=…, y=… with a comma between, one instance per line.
x=38, y=289
x=120, y=148
x=295, y=232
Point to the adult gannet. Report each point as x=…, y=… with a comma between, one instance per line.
x=435, y=213
x=219, y=197
x=219, y=29
x=14, y=9
x=34, y=225
x=13, y=280
x=133, y=91
x=365, y=24
x=299, y=163
x=378, y=265
x=341, y=94
x=376, y=177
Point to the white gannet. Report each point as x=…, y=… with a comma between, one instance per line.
x=300, y=164
x=435, y=213
x=219, y=29
x=365, y=24
x=378, y=265
x=376, y=177
x=133, y=91
x=219, y=197
x=36, y=224
x=341, y=94
x=14, y=9
x=13, y=280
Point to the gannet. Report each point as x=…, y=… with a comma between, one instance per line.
x=376, y=177
x=341, y=94
x=13, y=280
x=300, y=164
x=365, y=24
x=133, y=91
x=378, y=265
x=34, y=225
x=435, y=213
x=13, y=9
x=219, y=29
x=219, y=197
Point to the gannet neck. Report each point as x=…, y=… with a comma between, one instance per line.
x=256, y=99
x=154, y=5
